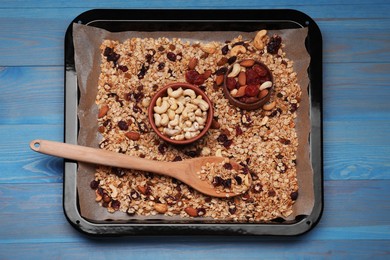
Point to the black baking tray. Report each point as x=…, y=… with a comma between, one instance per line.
x=116, y=20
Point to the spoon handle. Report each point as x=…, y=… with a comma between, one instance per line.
x=99, y=156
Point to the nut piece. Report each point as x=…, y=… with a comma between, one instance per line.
x=247, y=63
x=132, y=135
x=237, y=50
x=269, y=105
x=235, y=70
x=192, y=63
x=241, y=92
x=219, y=80
x=242, y=78
x=161, y=208
x=209, y=48
x=258, y=40
x=191, y=211
x=266, y=85
x=103, y=111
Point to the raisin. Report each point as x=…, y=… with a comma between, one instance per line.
x=294, y=195
x=257, y=188
x=138, y=96
x=94, y=184
x=271, y=193
x=238, y=180
x=217, y=181
x=232, y=59
x=177, y=158
x=171, y=56
x=238, y=130
x=192, y=153
x=143, y=71
x=225, y=49
x=227, y=183
x=162, y=148
x=134, y=195
x=222, y=138
x=260, y=70
x=232, y=209
x=274, y=44
x=221, y=71
x=252, y=90
x=285, y=141
x=123, y=68
x=293, y=107
x=115, y=204
x=107, y=51
x=228, y=166
x=201, y=211
x=118, y=172
x=123, y=125
x=199, y=79
x=149, y=57
x=227, y=143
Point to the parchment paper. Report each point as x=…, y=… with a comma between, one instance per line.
x=87, y=40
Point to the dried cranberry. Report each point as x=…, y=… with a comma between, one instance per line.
x=294, y=195
x=123, y=125
x=107, y=51
x=115, y=204
x=285, y=141
x=106, y=197
x=252, y=90
x=199, y=79
x=191, y=76
x=252, y=78
x=161, y=66
x=271, y=193
x=231, y=83
x=260, y=70
x=94, y=184
x=114, y=57
x=171, y=56
x=225, y=49
x=274, y=44
x=217, y=181
x=228, y=166
x=279, y=156
x=138, y=96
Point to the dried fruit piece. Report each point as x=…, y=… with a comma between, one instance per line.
x=252, y=90
x=231, y=83
x=274, y=44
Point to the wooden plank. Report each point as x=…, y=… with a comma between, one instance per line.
x=40, y=34
x=200, y=248
x=37, y=210
x=32, y=95
x=19, y=163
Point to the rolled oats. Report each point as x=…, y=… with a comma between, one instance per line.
x=263, y=142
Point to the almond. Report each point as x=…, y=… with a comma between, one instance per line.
x=142, y=189
x=263, y=93
x=242, y=78
x=207, y=74
x=191, y=211
x=135, y=136
x=103, y=111
x=192, y=63
x=215, y=124
x=219, y=80
x=247, y=63
x=161, y=208
x=241, y=92
x=222, y=61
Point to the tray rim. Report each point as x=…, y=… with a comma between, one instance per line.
x=301, y=226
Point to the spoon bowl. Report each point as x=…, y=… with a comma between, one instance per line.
x=185, y=171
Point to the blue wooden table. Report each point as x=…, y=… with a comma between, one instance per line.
x=356, y=217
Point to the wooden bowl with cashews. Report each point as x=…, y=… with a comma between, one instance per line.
x=180, y=113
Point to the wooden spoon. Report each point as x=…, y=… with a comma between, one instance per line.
x=185, y=171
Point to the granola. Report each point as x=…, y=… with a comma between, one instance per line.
x=264, y=141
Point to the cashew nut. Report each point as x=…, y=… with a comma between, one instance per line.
x=269, y=105
x=201, y=104
x=174, y=122
x=200, y=120
x=170, y=132
x=236, y=69
x=237, y=50
x=190, y=93
x=175, y=94
x=258, y=40
x=179, y=137
x=189, y=135
x=164, y=120
x=173, y=104
x=209, y=47
x=159, y=101
x=180, y=109
x=171, y=114
x=198, y=112
x=163, y=108
x=145, y=102
x=157, y=119
x=265, y=85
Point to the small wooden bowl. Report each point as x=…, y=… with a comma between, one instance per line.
x=163, y=93
x=247, y=106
